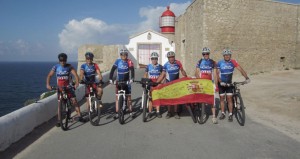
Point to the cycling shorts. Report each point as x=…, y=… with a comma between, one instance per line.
x=70, y=93
x=127, y=89
x=225, y=90
x=87, y=89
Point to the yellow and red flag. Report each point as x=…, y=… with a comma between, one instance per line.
x=184, y=90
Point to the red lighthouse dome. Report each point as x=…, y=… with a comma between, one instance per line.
x=167, y=21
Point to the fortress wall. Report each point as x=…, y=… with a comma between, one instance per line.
x=297, y=52
x=189, y=36
x=105, y=55
x=261, y=34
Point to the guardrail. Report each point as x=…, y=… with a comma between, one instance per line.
x=17, y=124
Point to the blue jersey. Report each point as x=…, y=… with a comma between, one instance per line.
x=154, y=71
x=62, y=74
x=226, y=70
x=206, y=68
x=172, y=70
x=123, y=69
x=89, y=72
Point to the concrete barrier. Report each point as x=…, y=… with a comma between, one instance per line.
x=17, y=124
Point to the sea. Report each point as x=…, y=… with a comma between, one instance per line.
x=21, y=81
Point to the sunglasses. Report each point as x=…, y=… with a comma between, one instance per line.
x=205, y=54
x=88, y=59
x=62, y=60
x=154, y=58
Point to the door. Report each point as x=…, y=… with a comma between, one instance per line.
x=144, y=53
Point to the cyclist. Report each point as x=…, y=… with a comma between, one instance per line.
x=170, y=73
x=225, y=70
x=123, y=67
x=152, y=72
x=88, y=73
x=63, y=71
x=206, y=69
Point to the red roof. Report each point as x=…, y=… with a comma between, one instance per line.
x=168, y=13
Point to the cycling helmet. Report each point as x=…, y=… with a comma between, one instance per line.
x=205, y=50
x=154, y=55
x=62, y=57
x=171, y=54
x=89, y=55
x=226, y=52
x=123, y=52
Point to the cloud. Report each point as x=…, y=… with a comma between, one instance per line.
x=90, y=31
x=95, y=31
x=21, y=49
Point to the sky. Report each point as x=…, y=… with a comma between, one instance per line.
x=38, y=30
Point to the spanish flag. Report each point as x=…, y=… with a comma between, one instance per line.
x=184, y=90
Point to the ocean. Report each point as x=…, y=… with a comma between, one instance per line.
x=20, y=81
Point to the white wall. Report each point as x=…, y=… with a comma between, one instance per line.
x=155, y=38
x=17, y=124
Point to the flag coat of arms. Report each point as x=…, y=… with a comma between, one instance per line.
x=183, y=91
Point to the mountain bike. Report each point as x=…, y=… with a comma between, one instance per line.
x=146, y=84
x=122, y=99
x=95, y=104
x=65, y=106
x=237, y=102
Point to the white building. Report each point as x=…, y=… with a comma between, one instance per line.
x=143, y=44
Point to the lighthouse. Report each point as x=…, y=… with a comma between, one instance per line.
x=167, y=24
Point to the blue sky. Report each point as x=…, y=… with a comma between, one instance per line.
x=37, y=30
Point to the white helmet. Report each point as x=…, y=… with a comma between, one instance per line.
x=171, y=54
x=123, y=52
x=226, y=52
x=154, y=55
x=205, y=50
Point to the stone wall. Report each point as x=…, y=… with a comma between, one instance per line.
x=105, y=55
x=263, y=35
x=297, y=51
x=189, y=36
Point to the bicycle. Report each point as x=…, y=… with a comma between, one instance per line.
x=95, y=104
x=146, y=84
x=65, y=106
x=237, y=102
x=122, y=99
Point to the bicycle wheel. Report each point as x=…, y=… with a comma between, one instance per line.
x=64, y=114
x=146, y=102
x=193, y=112
x=121, y=111
x=95, y=112
x=203, y=116
x=239, y=109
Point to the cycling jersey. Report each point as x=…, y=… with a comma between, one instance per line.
x=206, y=68
x=123, y=68
x=226, y=69
x=62, y=74
x=90, y=72
x=172, y=70
x=154, y=71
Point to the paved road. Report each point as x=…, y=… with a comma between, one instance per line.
x=156, y=139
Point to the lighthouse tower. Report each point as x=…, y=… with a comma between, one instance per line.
x=167, y=24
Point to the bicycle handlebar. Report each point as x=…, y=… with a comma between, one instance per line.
x=234, y=84
x=149, y=83
x=63, y=88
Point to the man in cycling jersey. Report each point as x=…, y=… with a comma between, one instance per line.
x=88, y=72
x=152, y=72
x=225, y=70
x=206, y=69
x=63, y=71
x=123, y=67
x=170, y=73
